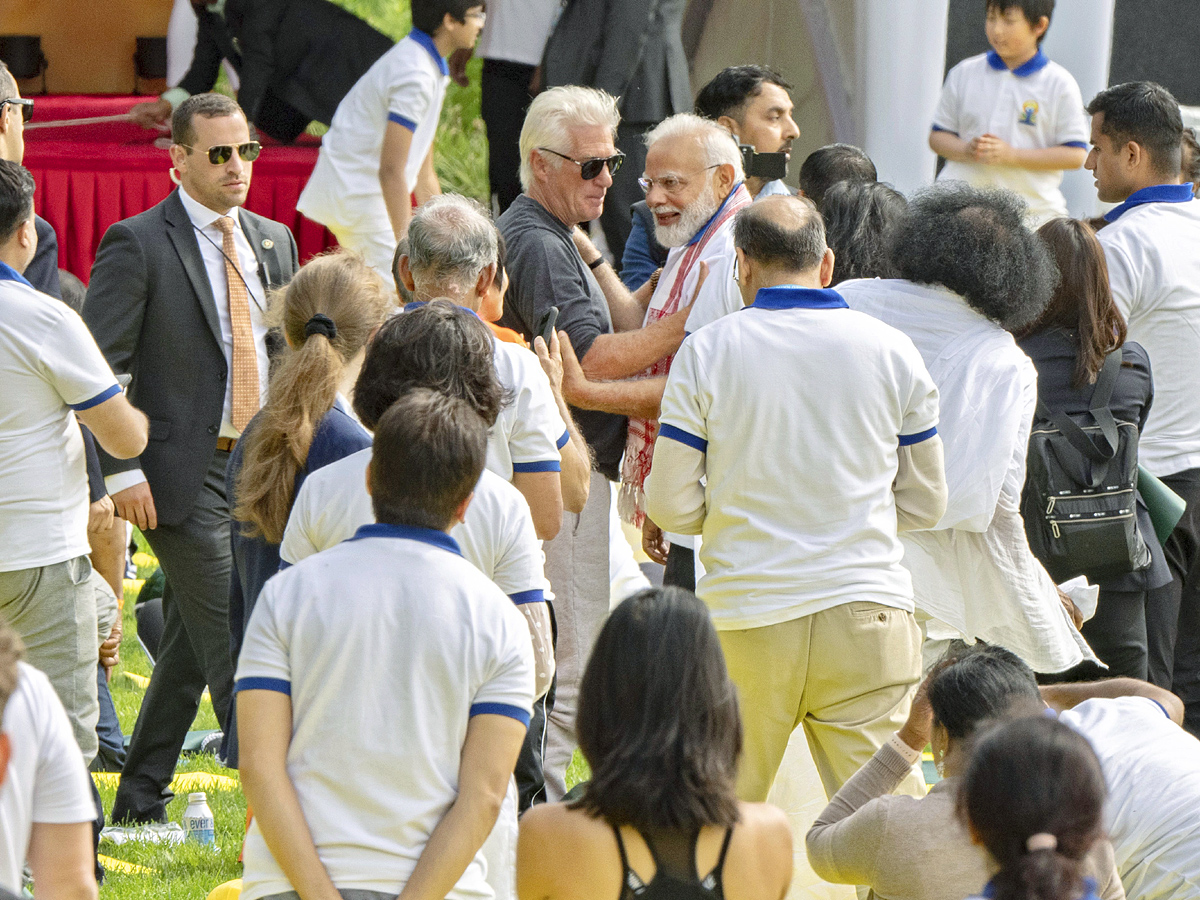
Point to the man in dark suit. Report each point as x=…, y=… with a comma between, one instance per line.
x=177, y=299
x=296, y=60
x=632, y=49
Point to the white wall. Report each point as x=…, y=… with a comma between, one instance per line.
x=900, y=51
x=1080, y=39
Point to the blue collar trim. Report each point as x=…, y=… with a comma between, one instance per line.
x=1156, y=193
x=427, y=42
x=408, y=533
x=699, y=234
x=791, y=297
x=8, y=273
x=417, y=304
x=1036, y=63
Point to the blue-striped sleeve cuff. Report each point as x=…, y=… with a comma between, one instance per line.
x=545, y=465
x=1082, y=145
x=683, y=437
x=937, y=127
x=500, y=709
x=907, y=439
x=400, y=120
x=562, y=441
x=279, y=685
x=98, y=399
x=520, y=598
x=1160, y=706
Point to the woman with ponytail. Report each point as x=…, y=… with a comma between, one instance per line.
x=1033, y=797
x=326, y=315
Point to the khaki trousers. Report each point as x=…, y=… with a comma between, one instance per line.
x=846, y=674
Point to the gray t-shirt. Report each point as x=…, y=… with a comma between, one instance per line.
x=546, y=270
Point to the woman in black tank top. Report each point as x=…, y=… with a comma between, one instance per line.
x=658, y=724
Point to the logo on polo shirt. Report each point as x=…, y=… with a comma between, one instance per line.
x=1029, y=111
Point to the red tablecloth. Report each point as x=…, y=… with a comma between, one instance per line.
x=89, y=177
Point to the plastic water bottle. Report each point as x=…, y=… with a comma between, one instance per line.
x=198, y=822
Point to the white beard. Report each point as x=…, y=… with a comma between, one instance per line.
x=691, y=219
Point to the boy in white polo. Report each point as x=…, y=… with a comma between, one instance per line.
x=796, y=436
x=378, y=153
x=385, y=687
x=1011, y=117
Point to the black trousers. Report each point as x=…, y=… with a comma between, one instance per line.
x=504, y=100
x=680, y=570
x=1182, y=549
x=195, y=557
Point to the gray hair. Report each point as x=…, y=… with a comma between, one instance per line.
x=450, y=241
x=720, y=149
x=553, y=114
x=8, y=84
x=786, y=233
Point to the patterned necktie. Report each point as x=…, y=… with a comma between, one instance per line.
x=244, y=368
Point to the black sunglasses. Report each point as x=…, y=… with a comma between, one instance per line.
x=219, y=154
x=591, y=168
x=26, y=106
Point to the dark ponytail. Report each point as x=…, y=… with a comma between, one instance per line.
x=1033, y=795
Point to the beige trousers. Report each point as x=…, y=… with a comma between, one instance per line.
x=846, y=674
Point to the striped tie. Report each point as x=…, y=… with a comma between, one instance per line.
x=244, y=368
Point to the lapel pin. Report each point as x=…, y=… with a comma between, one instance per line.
x=268, y=244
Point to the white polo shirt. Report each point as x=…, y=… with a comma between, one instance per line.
x=49, y=365
x=1152, y=769
x=497, y=537
x=406, y=85
x=1033, y=106
x=1153, y=252
x=799, y=405
x=387, y=644
x=46, y=781
x=529, y=432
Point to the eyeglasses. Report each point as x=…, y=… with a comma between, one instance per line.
x=26, y=106
x=219, y=154
x=481, y=15
x=590, y=168
x=671, y=184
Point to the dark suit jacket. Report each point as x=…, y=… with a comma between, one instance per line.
x=151, y=309
x=631, y=48
x=308, y=53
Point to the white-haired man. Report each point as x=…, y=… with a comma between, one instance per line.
x=694, y=186
x=567, y=160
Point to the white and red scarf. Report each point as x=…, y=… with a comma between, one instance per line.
x=668, y=298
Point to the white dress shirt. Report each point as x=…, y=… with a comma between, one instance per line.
x=209, y=239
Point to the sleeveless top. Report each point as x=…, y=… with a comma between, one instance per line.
x=675, y=875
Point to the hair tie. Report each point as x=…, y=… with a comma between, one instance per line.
x=1041, y=841
x=320, y=324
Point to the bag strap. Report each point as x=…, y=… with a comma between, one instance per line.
x=1099, y=411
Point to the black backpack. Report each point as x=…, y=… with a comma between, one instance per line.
x=1080, y=497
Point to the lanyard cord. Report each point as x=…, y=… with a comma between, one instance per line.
x=237, y=268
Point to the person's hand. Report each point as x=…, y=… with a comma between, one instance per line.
x=100, y=515
x=136, y=504
x=654, y=542
x=1071, y=608
x=551, y=360
x=574, y=381
x=457, y=63
x=918, y=730
x=991, y=150
x=110, y=650
x=152, y=113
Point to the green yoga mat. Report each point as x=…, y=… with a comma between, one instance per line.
x=1166, y=507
